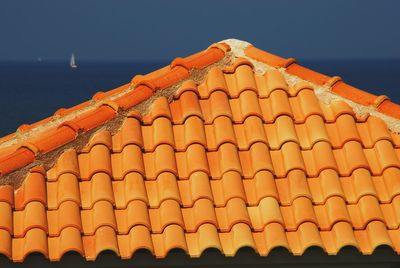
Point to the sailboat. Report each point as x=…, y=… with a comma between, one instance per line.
x=72, y=62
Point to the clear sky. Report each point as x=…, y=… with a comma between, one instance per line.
x=133, y=30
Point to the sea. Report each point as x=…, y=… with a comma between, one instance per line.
x=31, y=91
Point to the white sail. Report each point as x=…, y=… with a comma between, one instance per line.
x=72, y=61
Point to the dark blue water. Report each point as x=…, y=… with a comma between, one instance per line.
x=30, y=92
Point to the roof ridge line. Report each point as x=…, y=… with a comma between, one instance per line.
x=327, y=88
x=67, y=124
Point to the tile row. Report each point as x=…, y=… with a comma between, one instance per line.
x=228, y=157
x=135, y=186
x=137, y=212
x=207, y=236
x=298, y=107
x=252, y=129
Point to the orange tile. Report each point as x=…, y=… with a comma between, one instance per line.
x=374, y=130
x=353, y=93
x=261, y=186
x=246, y=105
x=195, y=187
x=187, y=105
x=267, y=212
x=342, y=131
x=374, y=235
x=94, y=118
x=366, y=210
x=214, y=81
x=33, y=216
x=228, y=187
x=187, y=85
x=224, y=160
x=100, y=137
x=305, y=104
x=55, y=138
x=389, y=108
x=257, y=158
x=104, y=239
x=168, y=213
x=238, y=62
x=134, y=97
x=5, y=243
x=281, y=131
x=65, y=189
x=67, y=215
x=192, y=131
x=174, y=76
x=97, y=160
x=286, y=159
x=221, y=131
x=164, y=188
x=357, y=185
x=201, y=213
x=160, y=132
x=350, y=157
x=340, y=236
x=238, y=237
x=326, y=185
x=69, y=240
x=98, y=188
x=102, y=214
x=7, y=194
x=130, y=159
x=299, y=212
x=242, y=79
x=311, y=131
x=6, y=220
x=130, y=133
x=35, y=241
x=138, y=238
x=335, y=108
x=390, y=212
x=332, y=212
x=134, y=214
x=381, y=157
x=208, y=57
x=304, y=237
x=250, y=132
x=159, y=108
x=129, y=189
x=66, y=163
x=204, y=238
x=161, y=160
x=234, y=212
x=292, y=187
x=295, y=89
x=387, y=185
x=271, y=237
x=315, y=163
x=173, y=237
x=270, y=81
x=194, y=159
x=394, y=237
x=277, y=104
x=33, y=189
x=216, y=105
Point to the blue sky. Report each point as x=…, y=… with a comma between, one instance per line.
x=154, y=30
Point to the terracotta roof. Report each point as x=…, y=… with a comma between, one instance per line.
x=236, y=158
